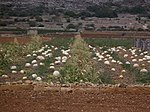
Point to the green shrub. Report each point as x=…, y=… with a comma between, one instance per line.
x=11, y=53
x=80, y=67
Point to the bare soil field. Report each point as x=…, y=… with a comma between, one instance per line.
x=21, y=40
x=104, y=34
x=29, y=98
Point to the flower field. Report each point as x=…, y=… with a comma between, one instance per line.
x=74, y=60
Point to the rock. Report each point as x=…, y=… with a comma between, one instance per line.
x=28, y=82
x=65, y=85
x=122, y=85
x=14, y=83
x=7, y=83
x=19, y=82
x=69, y=90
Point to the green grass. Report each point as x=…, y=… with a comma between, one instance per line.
x=60, y=42
x=139, y=77
x=51, y=31
x=15, y=31
x=110, y=42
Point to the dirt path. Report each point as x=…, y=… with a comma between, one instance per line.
x=25, y=99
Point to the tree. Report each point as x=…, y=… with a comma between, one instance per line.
x=41, y=25
x=71, y=26
x=3, y=23
x=39, y=19
x=68, y=20
x=70, y=14
x=102, y=11
x=85, y=14
x=32, y=23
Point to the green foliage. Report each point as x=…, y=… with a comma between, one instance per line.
x=13, y=52
x=35, y=44
x=70, y=14
x=40, y=25
x=85, y=14
x=15, y=31
x=71, y=26
x=102, y=11
x=3, y=23
x=143, y=78
x=139, y=77
x=2, y=72
x=4, y=59
x=32, y=23
x=60, y=42
x=133, y=10
x=80, y=67
x=106, y=78
x=110, y=42
x=6, y=9
x=39, y=19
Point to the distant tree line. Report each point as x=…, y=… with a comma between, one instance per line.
x=101, y=11
x=9, y=10
x=134, y=10
x=96, y=11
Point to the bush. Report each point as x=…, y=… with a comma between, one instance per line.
x=3, y=23
x=4, y=59
x=39, y=19
x=32, y=24
x=41, y=25
x=71, y=26
x=102, y=11
x=14, y=52
x=80, y=67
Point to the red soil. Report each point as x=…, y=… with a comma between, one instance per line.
x=55, y=99
x=21, y=40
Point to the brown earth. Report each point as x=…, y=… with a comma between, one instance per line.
x=104, y=34
x=29, y=98
x=21, y=40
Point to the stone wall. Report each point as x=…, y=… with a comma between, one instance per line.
x=144, y=44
